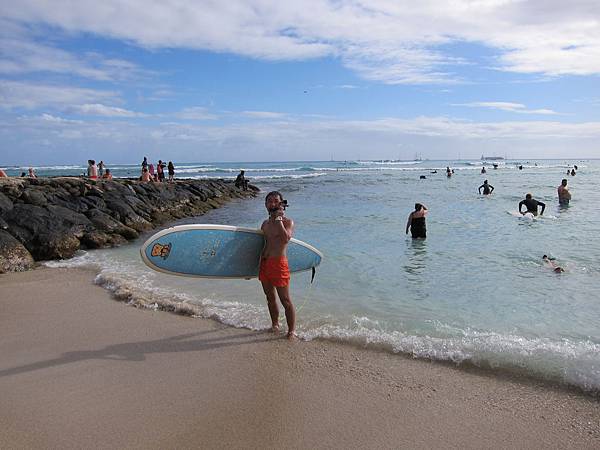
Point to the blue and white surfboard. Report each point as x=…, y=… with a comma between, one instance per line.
x=218, y=251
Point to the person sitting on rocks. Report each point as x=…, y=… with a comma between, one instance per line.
x=145, y=176
x=92, y=170
x=3, y=174
x=241, y=181
x=32, y=173
x=107, y=175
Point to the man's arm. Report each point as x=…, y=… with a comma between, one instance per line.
x=408, y=223
x=543, y=205
x=480, y=188
x=521, y=204
x=288, y=228
x=492, y=188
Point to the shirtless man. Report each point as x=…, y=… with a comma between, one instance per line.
x=551, y=264
x=487, y=188
x=416, y=222
x=564, y=196
x=532, y=205
x=145, y=176
x=274, y=273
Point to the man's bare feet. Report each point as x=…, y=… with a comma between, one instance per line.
x=291, y=336
x=274, y=329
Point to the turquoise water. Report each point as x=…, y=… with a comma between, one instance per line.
x=475, y=290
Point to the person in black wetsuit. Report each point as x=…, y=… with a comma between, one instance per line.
x=416, y=222
x=487, y=188
x=532, y=205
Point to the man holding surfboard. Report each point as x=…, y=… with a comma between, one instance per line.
x=274, y=273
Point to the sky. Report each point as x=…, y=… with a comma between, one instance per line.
x=266, y=80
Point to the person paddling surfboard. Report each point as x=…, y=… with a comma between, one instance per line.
x=274, y=273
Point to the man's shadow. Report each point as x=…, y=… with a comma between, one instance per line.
x=137, y=351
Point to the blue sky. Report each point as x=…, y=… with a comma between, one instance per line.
x=267, y=80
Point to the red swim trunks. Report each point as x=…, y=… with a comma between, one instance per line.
x=275, y=270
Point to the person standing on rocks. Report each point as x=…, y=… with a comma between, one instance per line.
x=160, y=171
x=144, y=163
x=101, y=169
x=171, y=169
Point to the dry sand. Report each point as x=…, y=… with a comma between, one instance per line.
x=80, y=370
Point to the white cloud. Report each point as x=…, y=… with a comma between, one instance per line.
x=98, y=109
x=55, y=119
x=388, y=41
x=20, y=54
x=434, y=137
x=195, y=113
x=263, y=114
x=29, y=95
x=509, y=107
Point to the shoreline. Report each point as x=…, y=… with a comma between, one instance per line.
x=144, y=299
x=81, y=370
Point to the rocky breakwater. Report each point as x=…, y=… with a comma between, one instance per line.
x=52, y=218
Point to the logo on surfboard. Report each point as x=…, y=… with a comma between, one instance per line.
x=161, y=250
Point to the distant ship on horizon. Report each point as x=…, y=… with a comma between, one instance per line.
x=492, y=158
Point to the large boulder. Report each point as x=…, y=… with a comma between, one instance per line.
x=48, y=233
x=14, y=257
x=107, y=224
x=5, y=203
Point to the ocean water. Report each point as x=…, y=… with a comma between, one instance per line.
x=476, y=290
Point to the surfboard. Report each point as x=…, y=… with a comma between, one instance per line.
x=218, y=251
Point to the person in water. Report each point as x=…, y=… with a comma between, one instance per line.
x=448, y=172
x=483, y=170
x=564, y=196
x=532, y=205
x=416, y=222
x=274, y=273
x=550, y=263
x=487, y=188
x=572, y=172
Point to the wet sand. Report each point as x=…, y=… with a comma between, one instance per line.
x=81, y=370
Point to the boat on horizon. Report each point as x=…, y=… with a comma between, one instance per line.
x=492, y=158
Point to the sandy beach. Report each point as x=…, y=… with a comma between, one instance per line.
x=81, y=370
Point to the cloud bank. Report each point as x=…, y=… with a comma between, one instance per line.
x=390, y=41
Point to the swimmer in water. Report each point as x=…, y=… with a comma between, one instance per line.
x=532, y=205
x=416, y=222
x=487, y=188
x=483, y=170
x=564, y=196
x=550, y=263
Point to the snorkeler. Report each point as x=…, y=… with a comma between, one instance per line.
x=550, y=263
